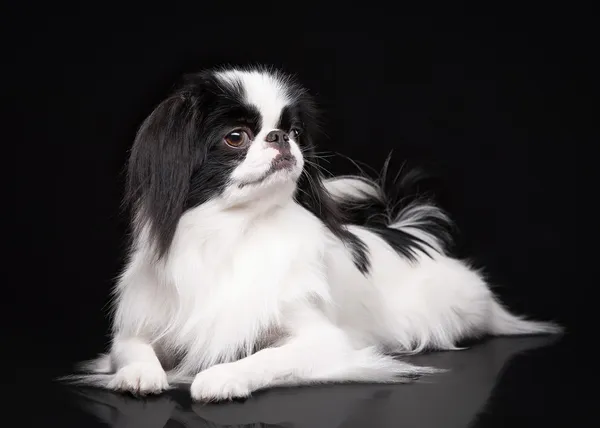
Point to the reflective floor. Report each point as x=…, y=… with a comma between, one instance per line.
x=508, y=382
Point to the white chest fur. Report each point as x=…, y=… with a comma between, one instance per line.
x=228, y=281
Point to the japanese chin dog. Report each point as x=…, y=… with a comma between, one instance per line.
x=250, y=269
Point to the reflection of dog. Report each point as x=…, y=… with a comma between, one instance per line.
x=451, y=400
x=122, y=411
x=249, y=270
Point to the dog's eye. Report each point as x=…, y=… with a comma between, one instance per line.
x=295, y=133
x=237, y=138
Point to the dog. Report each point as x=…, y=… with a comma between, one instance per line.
x=250, y=269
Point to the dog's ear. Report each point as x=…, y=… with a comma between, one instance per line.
x=161, y=163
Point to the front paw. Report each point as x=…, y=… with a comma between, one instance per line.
x=220, y=382
x=140, y=379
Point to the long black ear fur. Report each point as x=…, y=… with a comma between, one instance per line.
x=160, y=166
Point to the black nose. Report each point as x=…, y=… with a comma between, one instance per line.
x=278, y=138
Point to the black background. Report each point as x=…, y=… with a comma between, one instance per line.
x=497, y=107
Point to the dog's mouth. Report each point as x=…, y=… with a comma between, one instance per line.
x=281, y=162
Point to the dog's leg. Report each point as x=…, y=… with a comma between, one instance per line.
x=316, y=351
x=138, y=369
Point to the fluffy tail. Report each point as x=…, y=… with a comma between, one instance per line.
x=503, y=323
x=386, y=204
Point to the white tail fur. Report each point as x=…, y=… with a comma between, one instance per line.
x=418, y=219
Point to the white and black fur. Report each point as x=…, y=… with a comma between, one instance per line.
x=246, y=272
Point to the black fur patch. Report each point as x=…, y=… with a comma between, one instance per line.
x=375, y=214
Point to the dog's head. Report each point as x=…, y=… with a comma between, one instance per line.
x=230, y=137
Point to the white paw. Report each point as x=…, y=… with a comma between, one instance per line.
x=220, y=382
x=140, y=379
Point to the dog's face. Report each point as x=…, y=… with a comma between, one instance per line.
x=232, y=138
x=251, y=137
